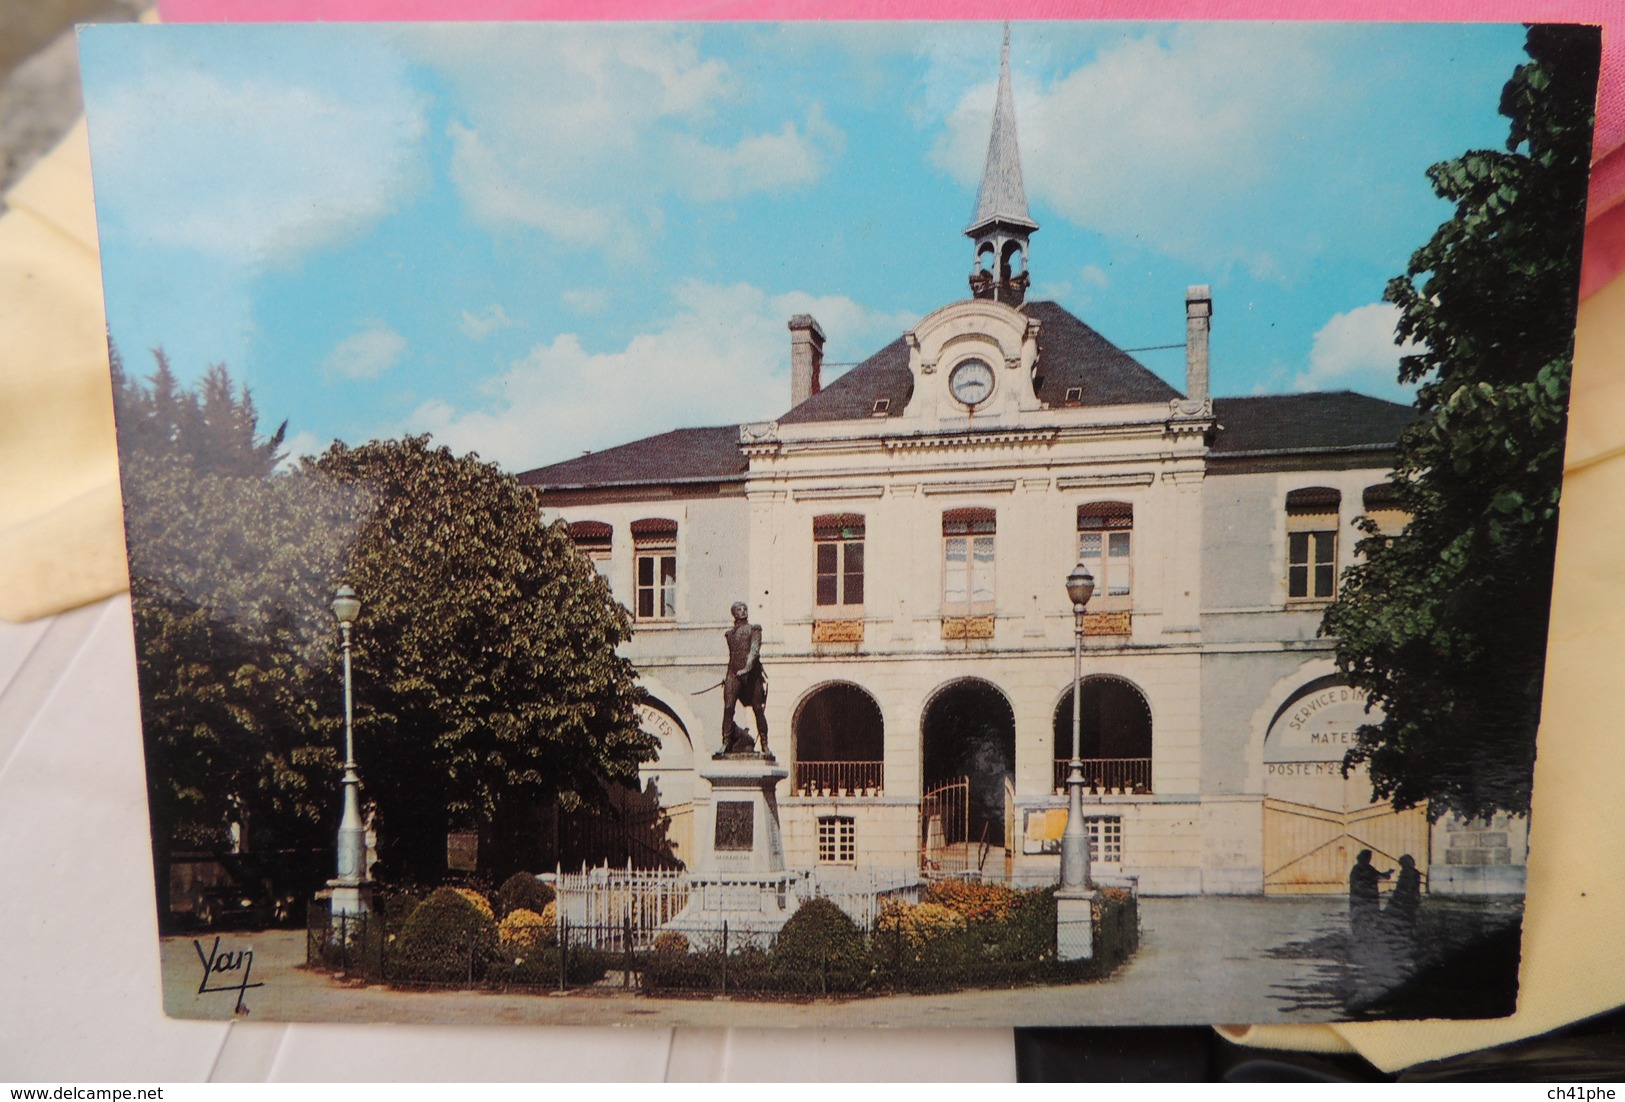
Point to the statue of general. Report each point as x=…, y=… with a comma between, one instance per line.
x=745, y=682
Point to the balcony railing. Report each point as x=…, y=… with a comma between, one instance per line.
x=839, y=778
x=1107, y=775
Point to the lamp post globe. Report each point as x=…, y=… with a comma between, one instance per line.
x=350, y=894
x=1080, y=586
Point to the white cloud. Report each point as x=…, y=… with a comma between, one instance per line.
x=299, y=445
x=367, y=353
x=1356, y=351
x=476, y=327
x=793, y=157
x=252, y=168
x=579, y=131
x=1158, y=135
x=593, y=300
x=721, y=358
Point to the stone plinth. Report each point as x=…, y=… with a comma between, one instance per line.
x=1075, y=924
x=737, y=830
x=738, y=874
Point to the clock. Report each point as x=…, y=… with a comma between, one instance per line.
x=971, y=382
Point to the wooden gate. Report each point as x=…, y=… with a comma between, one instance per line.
x=1309, y=850
x=944, y=828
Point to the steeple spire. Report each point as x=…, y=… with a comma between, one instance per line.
x=1001, y=225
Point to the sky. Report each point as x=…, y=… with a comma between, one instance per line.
x=537, y=240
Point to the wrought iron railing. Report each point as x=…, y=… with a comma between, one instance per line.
x=1107, y=775
x=839, y=778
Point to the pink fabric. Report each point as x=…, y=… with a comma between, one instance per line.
x=1605, y=237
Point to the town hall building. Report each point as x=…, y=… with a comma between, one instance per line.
x=903, y=536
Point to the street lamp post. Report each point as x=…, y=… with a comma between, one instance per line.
x=351, y=887
x=1074, y=900
x=1080, y=586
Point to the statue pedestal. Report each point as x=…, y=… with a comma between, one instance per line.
x=738, y=874
x=1075, y=924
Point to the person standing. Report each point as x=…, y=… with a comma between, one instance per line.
x=1364, y=880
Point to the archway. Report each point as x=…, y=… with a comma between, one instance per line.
x=1116, y=736
x=968, y=733
x=839, y=742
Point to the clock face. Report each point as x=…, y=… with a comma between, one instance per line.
x=971, y=382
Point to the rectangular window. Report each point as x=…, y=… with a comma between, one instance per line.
x=594, y=539
x=838, y=562
x=1311, y=543
x=655, y=566
x=1106, y=546
x=837, y=840
x=1105, y=839
x=1311, y=572
x=967, y=562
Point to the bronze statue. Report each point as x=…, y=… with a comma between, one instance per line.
x=745, y=682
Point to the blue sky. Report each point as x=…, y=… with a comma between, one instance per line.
x=535, y=240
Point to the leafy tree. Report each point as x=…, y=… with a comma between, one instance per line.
x=486, y=675
x=1445, y=625
x=231, y=567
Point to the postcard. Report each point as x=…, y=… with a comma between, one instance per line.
x=840, y=524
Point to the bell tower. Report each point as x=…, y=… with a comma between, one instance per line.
x=1001, y=227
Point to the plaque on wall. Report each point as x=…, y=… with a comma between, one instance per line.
x=736, y=826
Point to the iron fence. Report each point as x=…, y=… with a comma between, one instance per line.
x=1107, y=775
x=883, y=956
x=839, y=778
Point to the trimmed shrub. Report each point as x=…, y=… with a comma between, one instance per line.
x=449, y=938
x=522, y=891
x=671, y=943
x=482, y=904
x=973, y=900
x=819, y=932
x=540, y=967
x=819, y=950
x=525, y=930
x=917, y=923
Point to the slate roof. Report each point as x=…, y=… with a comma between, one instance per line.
x=1071, y=354
x=684, y=455
x=1323, y=421
x=853, y=395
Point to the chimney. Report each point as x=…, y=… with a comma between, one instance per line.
x=806, y=358
x=1198, y=320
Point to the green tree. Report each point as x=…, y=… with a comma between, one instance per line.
x=1445, y=625
x=486, y=675
x=231, y=566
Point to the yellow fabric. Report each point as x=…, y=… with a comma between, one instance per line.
x=61, y=530
x=61, y=545
x=1573, y=962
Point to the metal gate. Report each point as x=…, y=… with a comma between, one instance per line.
x=1309, y=850
x=945, y=845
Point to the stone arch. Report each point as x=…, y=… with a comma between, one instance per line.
x=968, y=729
x=838, y=740
x=1117, y=733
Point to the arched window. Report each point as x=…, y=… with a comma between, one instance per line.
x=1115, y=723
x=839, y=743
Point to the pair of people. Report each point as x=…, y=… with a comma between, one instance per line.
x=1364, y=884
